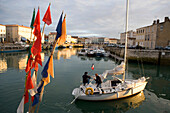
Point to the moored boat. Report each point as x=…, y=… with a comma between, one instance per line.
x=115, y=88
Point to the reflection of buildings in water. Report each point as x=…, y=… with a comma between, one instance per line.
x=22, y=63
x=120, y=105
x=18, y=61
x=3, y=65
x=65, y=53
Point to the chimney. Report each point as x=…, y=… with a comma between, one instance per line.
x=166, y=19
x=154, y=22
x=158, y=21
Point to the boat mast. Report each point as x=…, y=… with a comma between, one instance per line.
x=126, y=30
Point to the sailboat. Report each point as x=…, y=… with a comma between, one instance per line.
x=115, y=88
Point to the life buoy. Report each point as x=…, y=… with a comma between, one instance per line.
x=89, y=89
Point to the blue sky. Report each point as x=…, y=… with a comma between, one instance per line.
x=87, y=17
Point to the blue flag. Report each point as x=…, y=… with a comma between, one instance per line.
x=59, y=27
x=44, y=73
x=36, y=99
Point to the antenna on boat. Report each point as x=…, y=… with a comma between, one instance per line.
x=126, y=30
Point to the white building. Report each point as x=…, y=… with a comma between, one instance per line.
x=69, y=39
x=14, y=33
x=2, y=33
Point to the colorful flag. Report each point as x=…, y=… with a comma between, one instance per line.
x=36, y=99
x=50, y=67
x=29, y=63
x=59, y=27
x=29, y=84
x=36, y=62
x=37, y=95
x=92, y=67
x=33, y=19
x=20, y=108
x=63, y=36
x=48, y=70
x=47, y=17
x=26, y=99
x=33, y=91
x=36, y=48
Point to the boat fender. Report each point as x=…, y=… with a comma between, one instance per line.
x=89, y=89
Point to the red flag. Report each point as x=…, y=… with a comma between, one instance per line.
x=32, y=98
x=36, y=48
x=29, y=64
x=92, y=67
x=38, y=59
x=47, y=17
x=29, y=84
x=26, y=100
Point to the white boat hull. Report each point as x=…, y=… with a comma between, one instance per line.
x=113, y=95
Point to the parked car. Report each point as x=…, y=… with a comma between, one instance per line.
x=167, y=47
x=159, y=47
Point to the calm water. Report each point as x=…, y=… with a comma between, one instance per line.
x=68, y=69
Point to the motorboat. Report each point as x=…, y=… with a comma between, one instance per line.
x=83, y=52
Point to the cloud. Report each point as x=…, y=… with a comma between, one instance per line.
x=87, y=17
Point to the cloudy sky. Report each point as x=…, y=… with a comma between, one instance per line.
x=87, y=17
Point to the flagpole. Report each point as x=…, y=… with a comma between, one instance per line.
x=52, y=52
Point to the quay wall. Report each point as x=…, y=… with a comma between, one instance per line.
x=161, y=57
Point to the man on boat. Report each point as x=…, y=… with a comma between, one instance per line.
x=86, y=78
x=98, y=80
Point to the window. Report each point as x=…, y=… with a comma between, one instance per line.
x=161, y=27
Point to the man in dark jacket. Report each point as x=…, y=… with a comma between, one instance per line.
x=98, y=80
x=86, y=78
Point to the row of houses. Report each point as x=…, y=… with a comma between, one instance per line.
x=150, y=37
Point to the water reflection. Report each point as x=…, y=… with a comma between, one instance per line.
x=14, y=60
x=159, y=78
x=3, y=65
x=115, y=106
x=64, y=53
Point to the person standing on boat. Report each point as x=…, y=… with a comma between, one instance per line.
x=98, y=80
x=86, y=78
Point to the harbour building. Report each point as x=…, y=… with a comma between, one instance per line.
x=131, y=36
x=155, y=35
x=14, y=33
x=2, y=33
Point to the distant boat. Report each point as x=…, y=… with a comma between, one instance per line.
x=9, y=49
x=91, y=53
x=83, y=52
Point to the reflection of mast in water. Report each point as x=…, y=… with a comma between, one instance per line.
x=65, y=53
x=121, y=105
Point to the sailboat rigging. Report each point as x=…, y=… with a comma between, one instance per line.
x=112, y=89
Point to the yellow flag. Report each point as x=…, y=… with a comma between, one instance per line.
x=63, y=36
x=46, y=80
x=50, y=67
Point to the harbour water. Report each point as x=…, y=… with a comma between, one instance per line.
x=68, y=69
